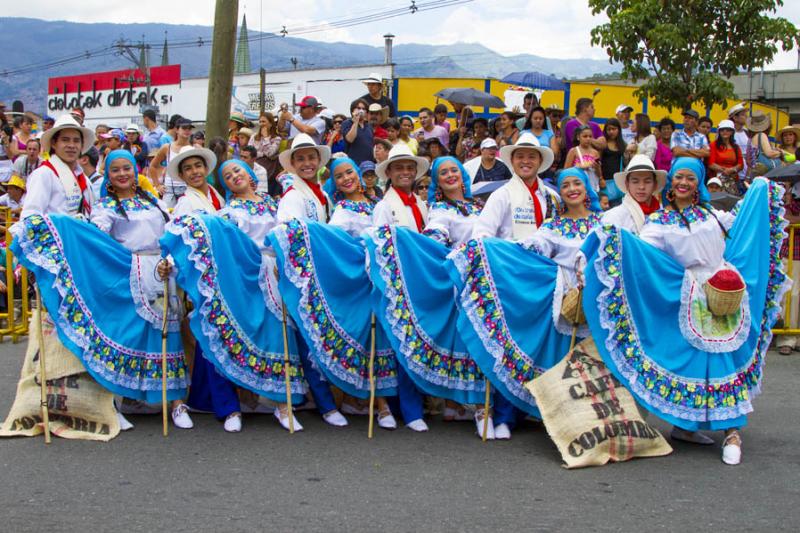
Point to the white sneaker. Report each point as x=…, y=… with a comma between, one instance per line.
x=502, y=432
x=732, y=449
x=417, y=425
x=479, y=421
x=283, y=419
x=233, y=424
x=181, y=418
x=386, y=420
x=124, y=423
x=350, y=409
x=335, y=418
x=695, y=437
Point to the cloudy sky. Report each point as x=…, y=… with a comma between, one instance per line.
x=550, y=28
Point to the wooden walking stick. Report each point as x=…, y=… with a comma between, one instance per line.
x=371, y=376
x=164, y=360
x=42, y=371
x=486, y=411
x=578, y=309
x=286, y=368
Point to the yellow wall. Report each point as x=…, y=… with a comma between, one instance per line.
x=414, y=93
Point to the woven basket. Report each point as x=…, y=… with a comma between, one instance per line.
x=722, y=303
x=572, y=307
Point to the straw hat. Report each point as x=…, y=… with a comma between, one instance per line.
x=640, y=162
x=68, y=122
x=401, y=152
x=377, y=108
x=238, y=117
x=793, y=128
x=173, y=169
x=245, y=131
x=373, y=77
x=527, y=140
x=758, y=121
x=738, y=108
x=301, y=142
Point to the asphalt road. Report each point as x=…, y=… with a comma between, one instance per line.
x=328, y=479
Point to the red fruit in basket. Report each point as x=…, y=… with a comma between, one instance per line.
x=726, y=280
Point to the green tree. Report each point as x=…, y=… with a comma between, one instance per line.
x=685, y=49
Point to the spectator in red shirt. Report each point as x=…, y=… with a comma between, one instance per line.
x=725, y=160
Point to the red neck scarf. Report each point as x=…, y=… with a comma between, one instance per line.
x=536, y=204
x=214, y=199
x=650, y=207
x=317, y=190
x=410, y=200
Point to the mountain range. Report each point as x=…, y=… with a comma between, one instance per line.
x=28, y=41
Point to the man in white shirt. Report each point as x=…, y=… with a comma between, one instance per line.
x=305, y=200
x=623, y=113
x=517, y=209
x=306, y=121
x=59, y=185
x=401, y=207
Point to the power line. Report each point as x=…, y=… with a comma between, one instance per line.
x=366, y=17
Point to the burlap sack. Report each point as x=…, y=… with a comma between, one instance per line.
x=590, y=416
x=79, y=408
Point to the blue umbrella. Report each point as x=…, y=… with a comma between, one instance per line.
x=535, y=80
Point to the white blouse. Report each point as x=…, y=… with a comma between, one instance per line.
x=142, y=228
x=449, y=225
x=699, y=248
x=352, y=217
x=256, y=219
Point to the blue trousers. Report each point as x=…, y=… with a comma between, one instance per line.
x=320, y=389
x=504, y=411
x=210, y=391
x=408, y=401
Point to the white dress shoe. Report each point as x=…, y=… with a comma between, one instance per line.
x=386, y=420
x=695, y=437
x=732, y=449
x=417, y=425
x=233, y=424
x=479, y=422
x=502, y=432
x=181, y=418
x=124, y=423
x=283, y=418
x=335, y=418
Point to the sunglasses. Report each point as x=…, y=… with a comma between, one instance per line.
x=187, y=127
x=337, y=121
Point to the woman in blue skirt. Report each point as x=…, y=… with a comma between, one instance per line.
x=110, y=317
x=324, y=281
x=222, y=263
x=510, y=294
x=650, y=303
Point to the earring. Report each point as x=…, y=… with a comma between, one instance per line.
x=670, y=196
x=696, y=197
x=587, y=202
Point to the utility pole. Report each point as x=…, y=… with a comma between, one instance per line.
x=262, y=86
x=220, y=74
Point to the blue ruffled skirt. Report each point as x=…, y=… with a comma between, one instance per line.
x=413, y=298
x=654, y=331
x=324, y=282
x=505, y=298
x=220, y=269
x=94, y=289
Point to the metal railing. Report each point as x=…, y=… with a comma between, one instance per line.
x=13, y=322
x=787, y=307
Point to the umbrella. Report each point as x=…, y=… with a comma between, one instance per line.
x=470, y=97
x=485, y=188
x=724, y=201
x=790, y=173
x=535, y=80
